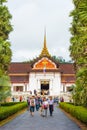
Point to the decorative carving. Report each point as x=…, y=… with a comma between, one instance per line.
x=44, y=62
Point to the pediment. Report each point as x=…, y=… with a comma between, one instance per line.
x=45, y=62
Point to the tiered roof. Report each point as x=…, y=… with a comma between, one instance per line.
x=19, y=72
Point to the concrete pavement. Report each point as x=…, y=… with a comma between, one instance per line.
x=25, y=121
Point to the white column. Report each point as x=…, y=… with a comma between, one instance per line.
x=12, y=87
x=65, y=88
x=39, y=88
x=24, y=88
x=37, y=85
x=28, y=87
x=51, y=86
x=61, y=89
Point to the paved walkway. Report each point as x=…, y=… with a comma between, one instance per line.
x=26, y=122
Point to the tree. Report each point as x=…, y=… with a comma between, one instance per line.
x=78, y=48
x=4, y=87
x=59, y=59
x=5, y=51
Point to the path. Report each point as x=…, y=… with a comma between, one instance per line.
x=59, y=121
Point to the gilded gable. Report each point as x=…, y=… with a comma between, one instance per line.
x=44, y=63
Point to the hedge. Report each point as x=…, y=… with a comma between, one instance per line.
x=77, y=111
x=6, y=111
x=9, y=103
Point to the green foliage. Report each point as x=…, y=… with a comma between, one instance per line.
x=77, y=111
x=9, y=103
x=5, y=26
x=10, y=110
x=2, y=1
x=78, y=49
x=5, y=89
x=80, y=92
x=59, y=59
x=5, y=51
x=5, y=56
x=82, y=84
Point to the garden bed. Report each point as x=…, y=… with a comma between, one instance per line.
x=8, y=110
x=78, y=112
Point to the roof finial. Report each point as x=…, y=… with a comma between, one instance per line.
x=45, y=50
x=45, y=37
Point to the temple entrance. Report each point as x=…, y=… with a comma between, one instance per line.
x=44, y=87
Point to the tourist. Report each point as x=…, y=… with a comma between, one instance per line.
x=51, y=105
x=61, y=99
x=28, y=102
x=44, y=107
x=20, y=99
x=35, y=92
x=32, y=105
x=13, y=99
x=37, y=103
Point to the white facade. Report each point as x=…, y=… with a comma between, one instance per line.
x=54, y=80
x=49, y=82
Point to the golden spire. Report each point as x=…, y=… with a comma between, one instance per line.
x=45, y=51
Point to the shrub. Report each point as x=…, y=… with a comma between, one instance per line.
x=9, y=103
x=77, y=111
x=7, y=111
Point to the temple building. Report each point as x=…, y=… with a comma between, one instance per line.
x=44, y=76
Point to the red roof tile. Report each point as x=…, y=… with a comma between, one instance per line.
x=64, y=68
x=17, y=67
x=25, y=68
x=67, y=79
x=67, y=68
x=19, y=79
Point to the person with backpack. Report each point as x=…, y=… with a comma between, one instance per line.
x=32, y=106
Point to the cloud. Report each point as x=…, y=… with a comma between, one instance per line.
x=30, y=18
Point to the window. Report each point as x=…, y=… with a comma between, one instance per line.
x=68, y=88
x=18, y=88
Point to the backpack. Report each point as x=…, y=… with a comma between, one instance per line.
x=45, y=106
x=32, y=102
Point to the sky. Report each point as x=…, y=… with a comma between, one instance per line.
x=29, y=19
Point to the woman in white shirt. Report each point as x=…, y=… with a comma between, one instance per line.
x=45, y=106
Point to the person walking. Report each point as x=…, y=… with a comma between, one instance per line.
x=44, y=107
x=37, y=103
x=32, y=105
x=20, y=98
x=51, y=105
x=28, y=103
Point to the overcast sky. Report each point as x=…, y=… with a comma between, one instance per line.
x=30, y=17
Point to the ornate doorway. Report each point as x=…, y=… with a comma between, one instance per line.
x=44, y=87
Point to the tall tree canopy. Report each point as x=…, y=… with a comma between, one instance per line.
x=78, y=49
x=5, y=50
